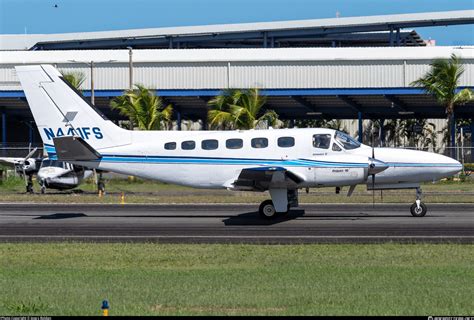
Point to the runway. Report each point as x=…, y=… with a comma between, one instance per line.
x=235, y=223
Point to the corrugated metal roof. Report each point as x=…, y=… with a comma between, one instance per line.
x=20, y=41
x=230, y=55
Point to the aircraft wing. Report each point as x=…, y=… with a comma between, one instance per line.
x=11, y=161
x=262, y=178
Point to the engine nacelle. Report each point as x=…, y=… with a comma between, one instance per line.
x=345, y=170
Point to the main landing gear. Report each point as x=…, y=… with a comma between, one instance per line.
x=29, y=184
x=43, y=188
x=418, y=209
x=101, y=184
x=282, y=201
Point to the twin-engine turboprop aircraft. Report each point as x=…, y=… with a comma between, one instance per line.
x=280, y=161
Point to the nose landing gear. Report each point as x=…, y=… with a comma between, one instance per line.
x=418, y=209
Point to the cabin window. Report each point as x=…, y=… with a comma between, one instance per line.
x=286, y=142
x=51, y=163
x=321, y=141
x=209, y=144
x=188, y=145
x=170, y=145
x=234, y=143
x=335, y=147
x=259, y=143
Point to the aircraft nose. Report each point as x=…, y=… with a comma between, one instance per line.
x=376, y=166
x=454, y=166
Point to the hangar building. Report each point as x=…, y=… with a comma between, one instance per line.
x=368, y=80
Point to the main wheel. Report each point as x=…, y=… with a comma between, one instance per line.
x=418, y=212
x=267, y=210
x=43, y=189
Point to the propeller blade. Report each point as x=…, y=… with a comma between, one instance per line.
x=30, y=154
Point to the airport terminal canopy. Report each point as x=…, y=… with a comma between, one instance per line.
x=382, y=30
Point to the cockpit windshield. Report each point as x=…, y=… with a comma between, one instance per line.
x=52, y=163
x=346, y=141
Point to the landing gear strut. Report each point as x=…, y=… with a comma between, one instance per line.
x=43, y=188
x=29, y=184
x=101, y=184
x=418, y=209
x=285, y=199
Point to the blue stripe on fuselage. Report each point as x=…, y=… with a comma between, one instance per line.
x=243, y=161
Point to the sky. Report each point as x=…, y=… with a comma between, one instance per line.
x=62, y=16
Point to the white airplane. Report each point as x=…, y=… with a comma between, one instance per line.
x=280, y=161
x=26, y=167
x=60, y=175
x=51, y=174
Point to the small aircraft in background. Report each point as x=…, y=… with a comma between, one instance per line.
x=51, y=174
x=25, y=167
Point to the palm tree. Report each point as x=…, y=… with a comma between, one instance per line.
x=442, y=81
x=144, y=109
x=219, y=114
x=335, y=124
x=76, y=79
x=240, y=109
x=421, y=138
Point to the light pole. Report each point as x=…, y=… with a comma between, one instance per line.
x=91, y=64
x=130, y=67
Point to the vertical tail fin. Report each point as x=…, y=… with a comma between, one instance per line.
x=60, y=110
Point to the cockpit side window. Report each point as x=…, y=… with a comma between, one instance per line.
x=321, y=141
x=346, y=141
x=335, y=147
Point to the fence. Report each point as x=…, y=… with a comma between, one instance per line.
x=21, y=151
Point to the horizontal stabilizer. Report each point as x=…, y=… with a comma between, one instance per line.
x=73, y=148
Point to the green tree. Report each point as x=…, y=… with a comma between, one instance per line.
x=442, y=81
x=336, y=124
x=422, y=137
x=76, y=79
x=240, y=109
x=145, y=110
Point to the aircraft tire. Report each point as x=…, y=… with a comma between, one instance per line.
x=267, y=210
x=418, y=212
x=43, y=189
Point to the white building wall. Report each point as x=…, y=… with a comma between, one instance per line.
x=295, y=68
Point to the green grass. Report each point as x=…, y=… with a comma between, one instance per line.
x=159, y=279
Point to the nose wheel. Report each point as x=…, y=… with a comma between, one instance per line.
x=418, y=209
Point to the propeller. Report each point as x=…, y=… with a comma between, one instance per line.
x=375, y=166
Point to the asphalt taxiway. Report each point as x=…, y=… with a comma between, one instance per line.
x=236, y=223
